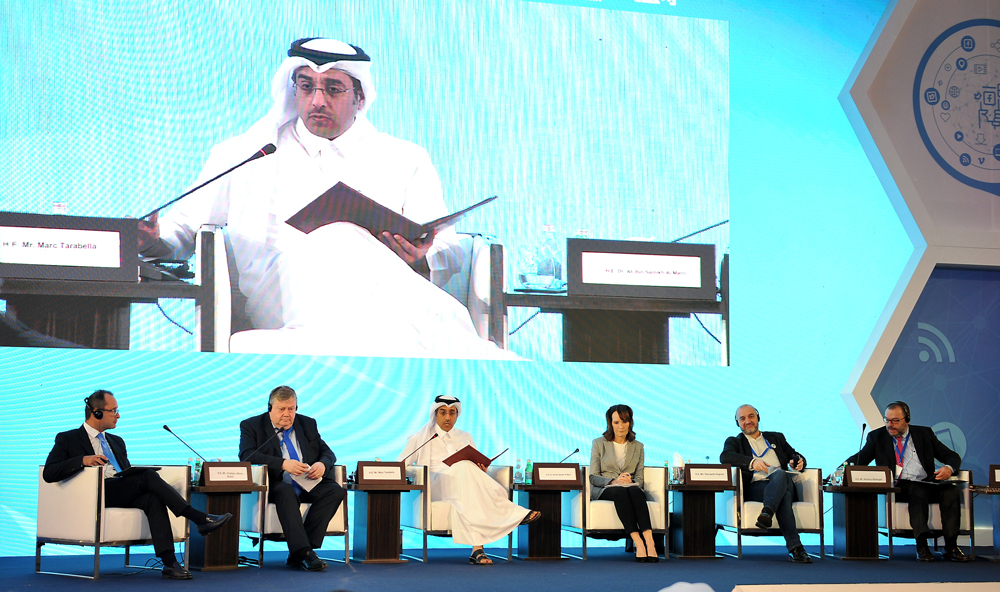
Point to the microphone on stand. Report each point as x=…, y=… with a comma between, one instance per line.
x=419, y=447
x=861, y=445
x=264, y=151
x=569, y=455
x=184, y=443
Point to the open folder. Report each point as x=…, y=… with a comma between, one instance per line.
x=342, y=203
x=470, y=453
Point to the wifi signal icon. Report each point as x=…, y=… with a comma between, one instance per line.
x=926, y=355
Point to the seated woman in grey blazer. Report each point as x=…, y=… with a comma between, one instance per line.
x=616, y=460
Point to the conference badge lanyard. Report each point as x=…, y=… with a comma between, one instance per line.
x=900, y=454
x=767, y=446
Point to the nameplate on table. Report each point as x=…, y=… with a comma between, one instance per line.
x=40, y=246
x=225, y=473
x=994, y=475
x=558, y=474
x=708, y=475
x=380, y=473
x=855, y=476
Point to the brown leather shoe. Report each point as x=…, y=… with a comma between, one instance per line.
x=924, y=554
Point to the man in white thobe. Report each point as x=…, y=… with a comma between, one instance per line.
x=480, y=509
x=337, y=290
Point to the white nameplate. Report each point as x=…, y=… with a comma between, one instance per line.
x=714, y=475
x=381, y=473
x=630, y=269
x=868, y=477
x=996, y=475
x=219, y=474
x=58, y=246
x=560, y=474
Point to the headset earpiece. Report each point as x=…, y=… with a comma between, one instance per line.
x=97, y=413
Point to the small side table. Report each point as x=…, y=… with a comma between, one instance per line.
x=376, y=522
x=692, y=529
x=542, y=539
x=994, y=493
x=855, y=521
x=220, y=550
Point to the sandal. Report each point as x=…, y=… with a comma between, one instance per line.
x=531, y=517
x=479, y=557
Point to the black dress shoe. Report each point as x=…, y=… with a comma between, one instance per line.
x=764, y=520
x=175, y=571
x=924, y=554
x=799, y=555
x=306, y=561
x=215, y=521
x=955, y=554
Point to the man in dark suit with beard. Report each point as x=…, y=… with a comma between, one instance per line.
x=90, y=446
x=911, y=451
x=763, y=459
x=290, y=445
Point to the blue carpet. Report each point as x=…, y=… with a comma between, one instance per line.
x=449, y=570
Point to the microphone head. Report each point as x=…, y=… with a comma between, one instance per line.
x=434, y=436
x=863, y=426
x=269, y=149
x=166, y=428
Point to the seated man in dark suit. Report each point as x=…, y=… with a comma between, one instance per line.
x=911, y=451
x=763, y=459
x=90, y=446
x=298, y=451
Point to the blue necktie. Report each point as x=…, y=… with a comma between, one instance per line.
x=108, y=453
x=292, y=455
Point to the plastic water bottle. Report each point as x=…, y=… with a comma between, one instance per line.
x=548, y=258
x=196, y=476
x=518, y=474
x=527, y=472
x=666, y=470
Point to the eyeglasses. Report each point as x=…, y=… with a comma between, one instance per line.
x=111, y=411
x=894, y=422
x=308, y=88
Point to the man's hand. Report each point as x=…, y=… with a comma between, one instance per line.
x=95, y=460
x=481, y=466
x=149, y=232
x=414, y=254
x=758, y=464
x=316, y=471
x=942, y=473
x=294, y=467
x=799, y=465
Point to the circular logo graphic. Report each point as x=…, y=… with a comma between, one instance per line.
x=956, y=100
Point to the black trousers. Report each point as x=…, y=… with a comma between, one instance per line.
x=920, y=496
x=325, y=498
x=148, y=492
x=630, y=504
x=777, y=492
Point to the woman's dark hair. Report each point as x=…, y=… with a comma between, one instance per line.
x=625, y=414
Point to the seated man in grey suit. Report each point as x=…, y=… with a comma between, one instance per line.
x=298, y=451
x=90, y=446
x=763, y=459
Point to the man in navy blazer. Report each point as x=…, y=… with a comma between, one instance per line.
x=763, y=459
x=90, y=446
x=290, y=445
x=911, y=450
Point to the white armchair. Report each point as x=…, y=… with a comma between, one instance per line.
x=735, y=514
x=899, y=525
x=469, y=285
x=260, y=518
x=598, y=519
x=72, y=512
x=418, y=512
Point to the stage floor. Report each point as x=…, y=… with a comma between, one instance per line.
x=449, y=570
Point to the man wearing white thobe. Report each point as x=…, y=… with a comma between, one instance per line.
x=480, y=509
x=337, y=290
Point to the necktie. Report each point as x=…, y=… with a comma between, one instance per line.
x=899, y=451
x=107, y=452
x=286, y=439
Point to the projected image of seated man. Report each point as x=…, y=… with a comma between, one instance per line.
x=337, y=290
x=480, y=509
